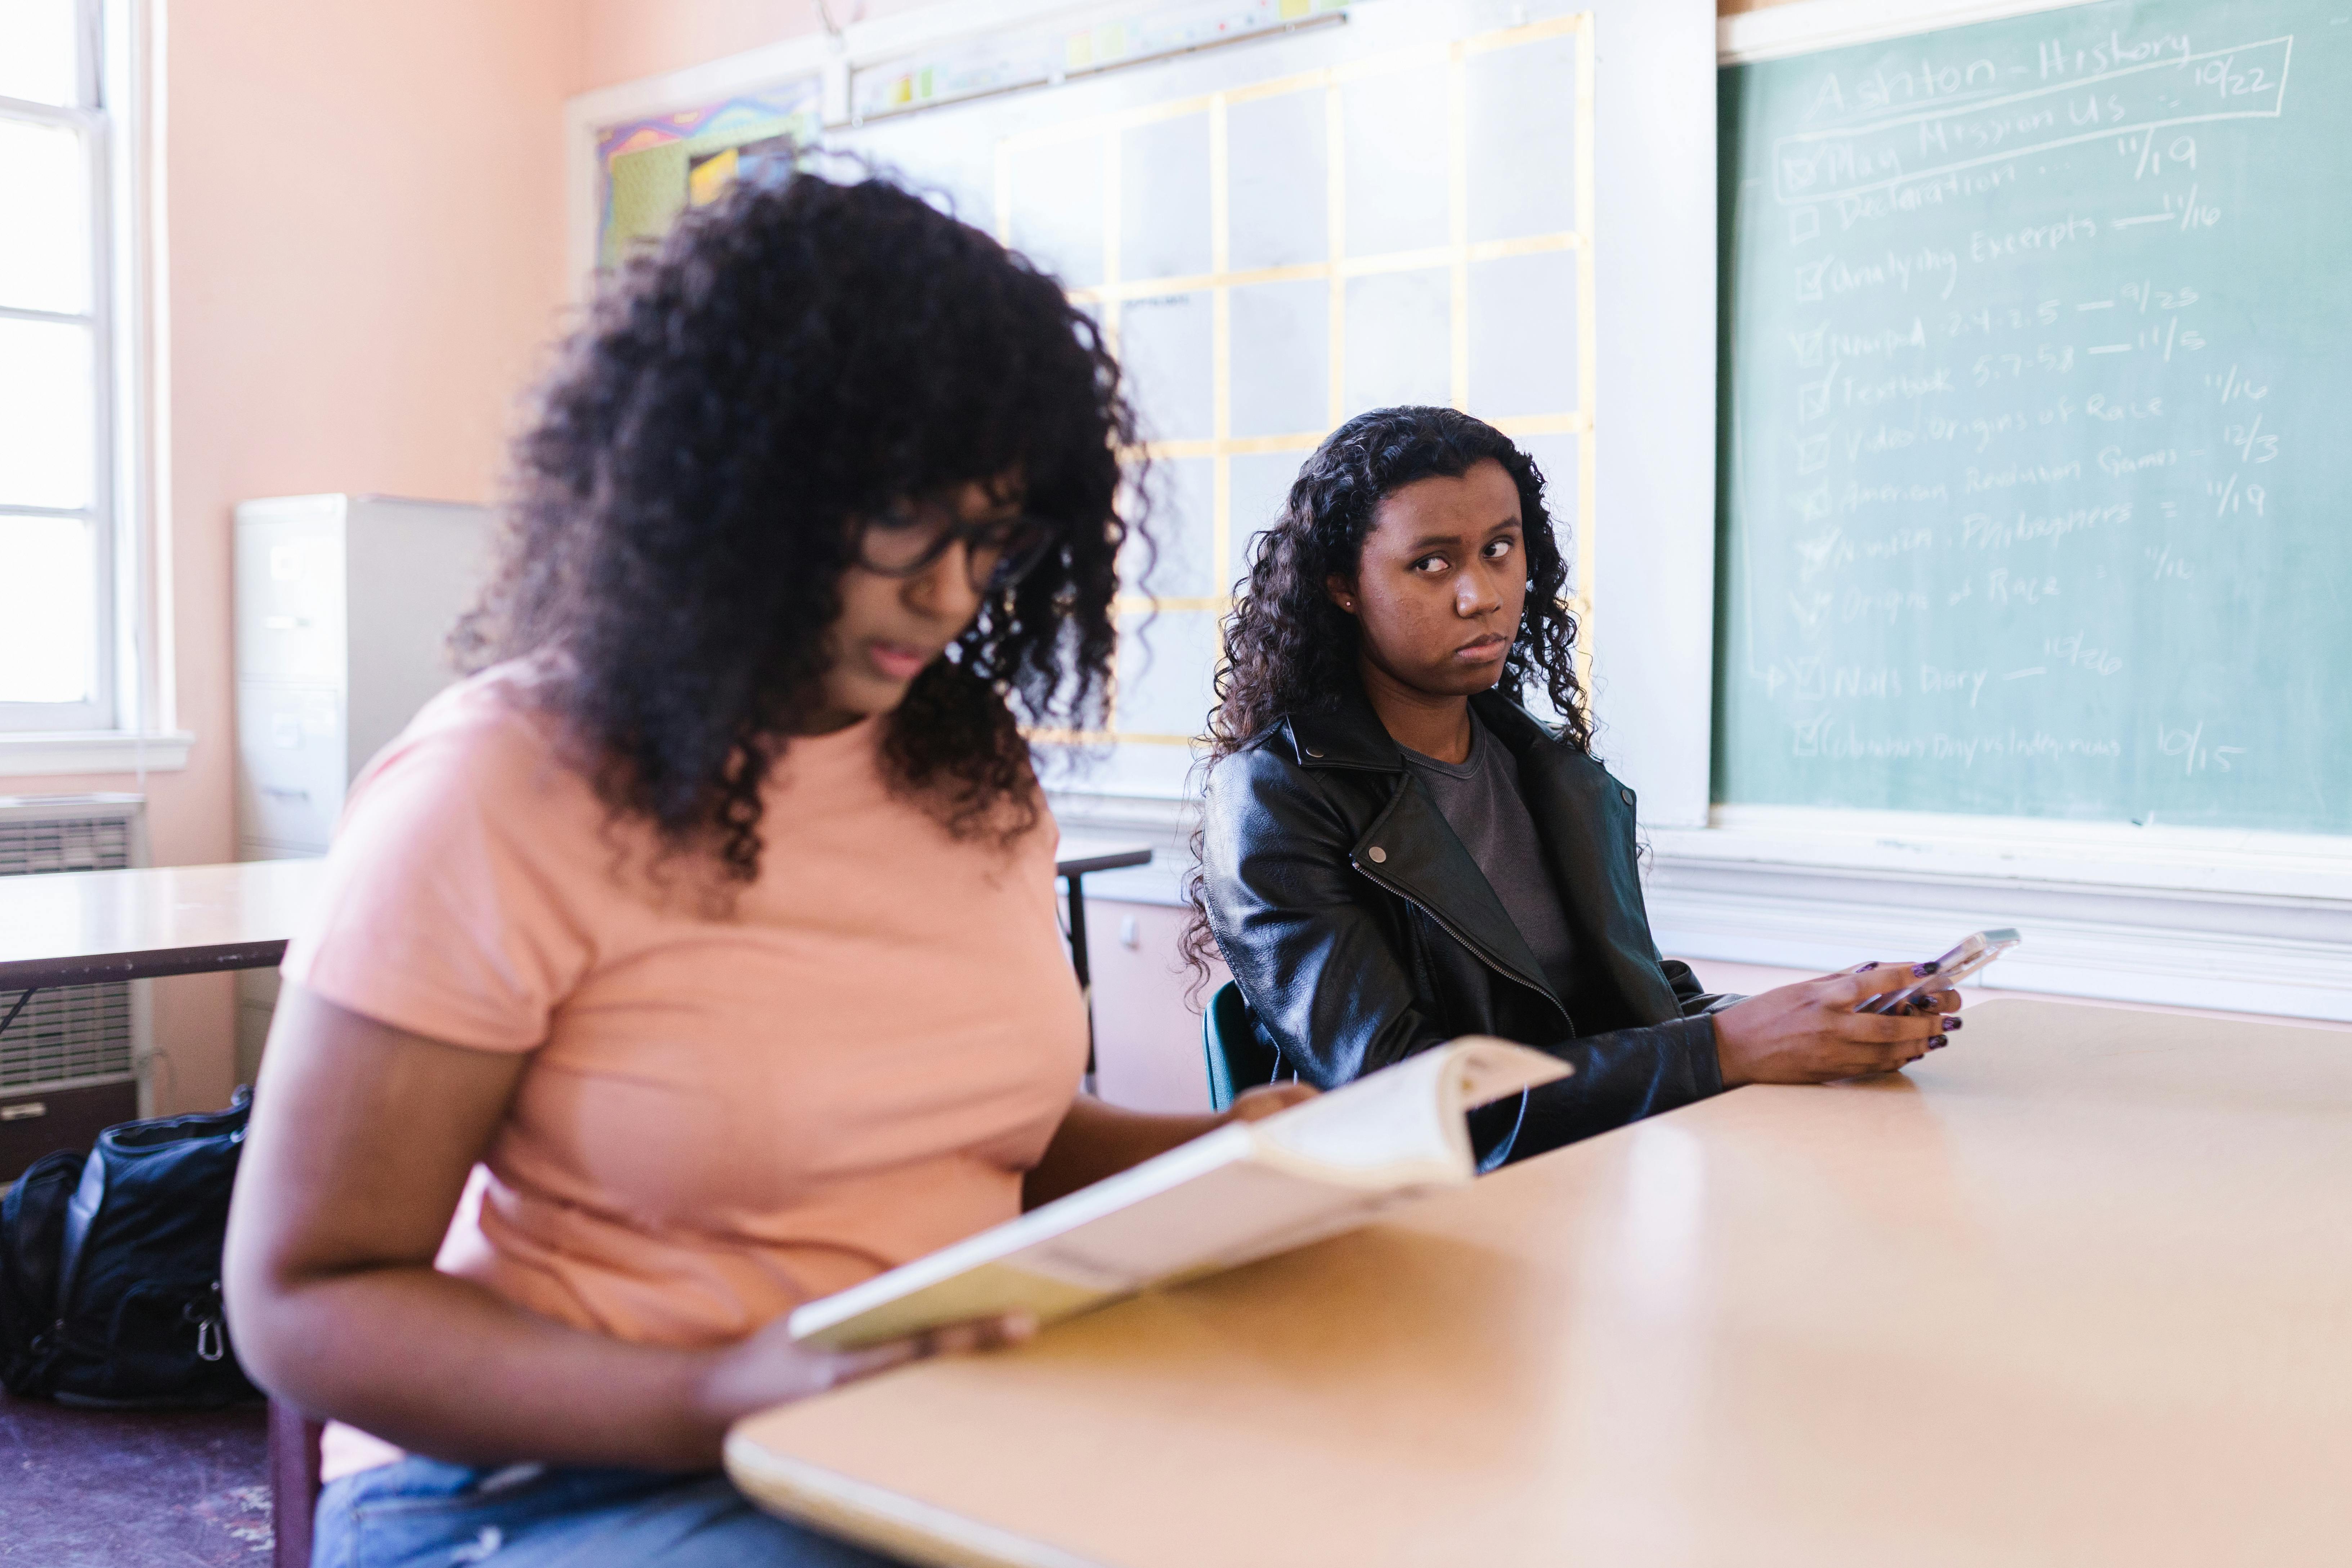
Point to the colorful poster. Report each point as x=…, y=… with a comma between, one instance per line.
x=651, y=170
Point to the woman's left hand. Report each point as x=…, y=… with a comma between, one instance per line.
x=1258, y=1104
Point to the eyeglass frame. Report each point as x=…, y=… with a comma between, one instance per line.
x=1008, y=570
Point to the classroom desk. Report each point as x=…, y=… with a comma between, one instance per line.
x=1076, y=855
x=79, y=927
x=2076, y=1290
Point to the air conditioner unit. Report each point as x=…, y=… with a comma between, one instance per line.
x=74, y=1062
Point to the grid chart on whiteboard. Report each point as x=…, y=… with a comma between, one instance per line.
x=1269, y=259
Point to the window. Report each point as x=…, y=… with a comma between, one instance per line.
x=57, y=525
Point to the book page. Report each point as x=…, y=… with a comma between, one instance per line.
x=1212, y=1222
x=1405, y=1121
x=1245, y=1191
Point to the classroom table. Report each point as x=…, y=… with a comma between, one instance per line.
x=1078, y=856
x=2078, y=1289
x=79, y=928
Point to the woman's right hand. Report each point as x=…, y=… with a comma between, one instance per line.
x=770, y=1368
x=1811, y=1033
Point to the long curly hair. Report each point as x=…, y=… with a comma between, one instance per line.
x=1289, y=649
x=797, y=355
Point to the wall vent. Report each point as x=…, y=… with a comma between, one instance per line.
x=70, y=1035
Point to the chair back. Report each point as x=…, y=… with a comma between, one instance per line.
x=1237, y=1058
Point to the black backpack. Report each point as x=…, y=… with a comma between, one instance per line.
x=110, y=1265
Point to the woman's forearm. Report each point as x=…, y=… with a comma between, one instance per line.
x=441, y=1366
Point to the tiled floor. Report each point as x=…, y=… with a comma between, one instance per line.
x=83, y=1488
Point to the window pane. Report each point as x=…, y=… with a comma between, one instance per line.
x=46, y=414
x=48, y=631
x=44, y=216
x=39, y=59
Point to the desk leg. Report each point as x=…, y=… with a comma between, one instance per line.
x=27, y=996
x=1078, y=961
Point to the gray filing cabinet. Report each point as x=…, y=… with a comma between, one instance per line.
x=344, y=607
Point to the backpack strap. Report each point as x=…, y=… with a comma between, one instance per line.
x=81, y=1212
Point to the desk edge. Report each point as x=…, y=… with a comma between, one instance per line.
x=874, y=1516
x=138, y=963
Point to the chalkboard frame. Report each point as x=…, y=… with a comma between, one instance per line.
x=2241, y=920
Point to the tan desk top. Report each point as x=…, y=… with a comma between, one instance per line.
x=77, y=927
x=2076, y=1290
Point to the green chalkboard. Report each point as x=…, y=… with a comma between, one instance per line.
x=2036, y=489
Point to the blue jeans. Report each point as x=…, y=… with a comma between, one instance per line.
x=420, y=1512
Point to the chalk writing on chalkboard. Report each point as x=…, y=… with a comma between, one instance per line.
x=2034, y=496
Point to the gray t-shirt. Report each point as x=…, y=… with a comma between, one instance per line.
x=1480, y=797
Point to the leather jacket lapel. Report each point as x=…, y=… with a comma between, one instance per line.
x=1408, y=848
x=1411, y=850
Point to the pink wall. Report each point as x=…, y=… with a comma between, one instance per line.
x=620, y=41
x=366, y=254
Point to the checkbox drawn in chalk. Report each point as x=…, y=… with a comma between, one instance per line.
x=1805, y=223
x=1812, y=454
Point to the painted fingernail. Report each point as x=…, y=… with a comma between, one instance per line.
x=1867, y=967
x=1923, y=969
x=1951, y=1023
x=1937, y=1045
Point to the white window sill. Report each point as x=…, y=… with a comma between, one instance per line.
x=29, y=753
x=2244, y=922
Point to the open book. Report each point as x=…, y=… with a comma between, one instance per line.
x=1246, y=1191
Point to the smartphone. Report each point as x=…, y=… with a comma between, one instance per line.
x=1972, y=955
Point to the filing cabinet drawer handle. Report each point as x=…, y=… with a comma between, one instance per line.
x=25, y=1111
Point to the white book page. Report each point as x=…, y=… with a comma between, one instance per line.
x=1226, y=1216
x=1243, y=1192
x=1404, y=1122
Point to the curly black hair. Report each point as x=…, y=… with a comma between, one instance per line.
x=1289, y=649
x=799, y=354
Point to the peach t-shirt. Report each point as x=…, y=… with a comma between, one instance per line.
x=721, y=1117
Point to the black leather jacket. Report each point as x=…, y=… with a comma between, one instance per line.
x=1361, y=931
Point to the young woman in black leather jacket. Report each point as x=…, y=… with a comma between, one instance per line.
x=1394, y=852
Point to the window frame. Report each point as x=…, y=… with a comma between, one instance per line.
x=91, y=120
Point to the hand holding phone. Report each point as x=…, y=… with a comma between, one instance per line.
x=1944, y=973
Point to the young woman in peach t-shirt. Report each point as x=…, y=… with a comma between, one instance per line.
x=698, y=955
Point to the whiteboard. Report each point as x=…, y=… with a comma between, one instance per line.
x=1398, y=207
x=1424, y=200
x=1275, y=237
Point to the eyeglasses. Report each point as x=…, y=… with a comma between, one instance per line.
x=904, y=543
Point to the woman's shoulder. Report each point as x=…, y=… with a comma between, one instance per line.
x=497, y=711
x=1268, y=793
x=1268, y=759
x=489, y=741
